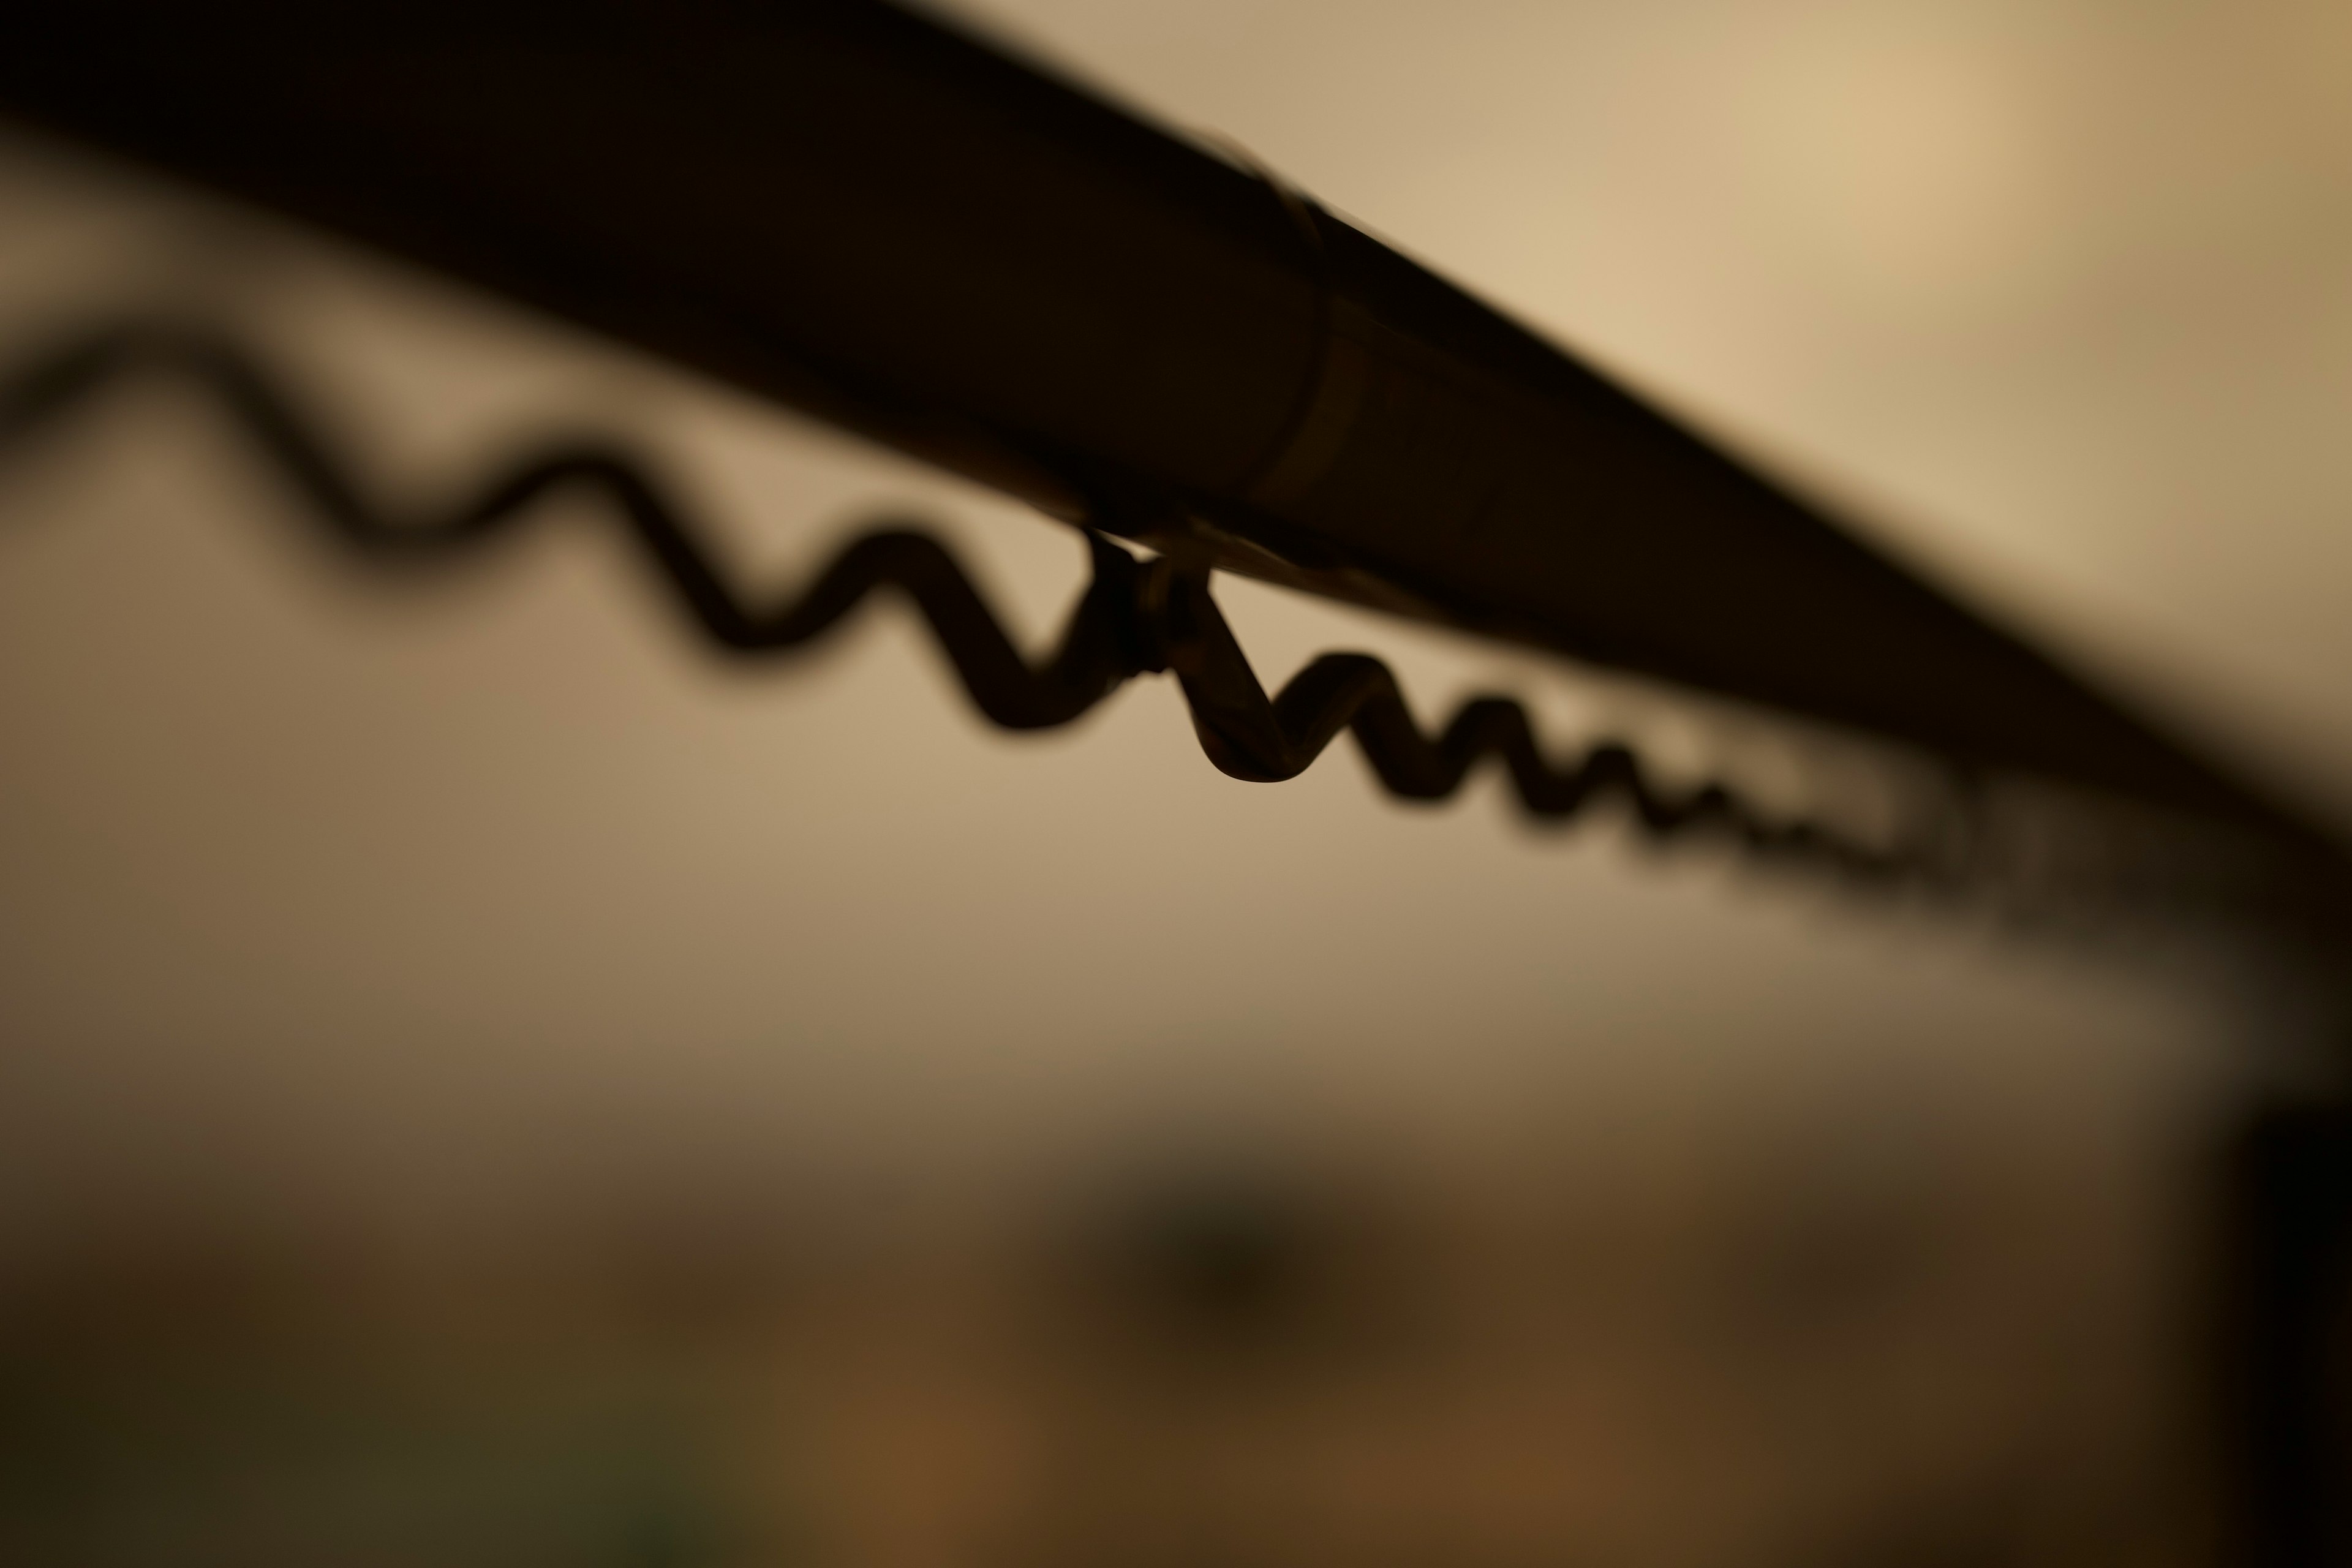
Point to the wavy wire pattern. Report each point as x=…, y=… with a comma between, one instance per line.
x=1136, y=617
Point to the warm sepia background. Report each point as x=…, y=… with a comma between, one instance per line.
x=483, y=1082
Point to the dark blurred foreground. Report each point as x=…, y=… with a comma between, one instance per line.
x=1869, y=1356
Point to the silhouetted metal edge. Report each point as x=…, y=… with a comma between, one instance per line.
x=877, y=218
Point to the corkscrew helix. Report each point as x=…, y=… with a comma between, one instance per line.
x=1136, y=617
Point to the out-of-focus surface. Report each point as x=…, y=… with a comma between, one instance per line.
x=2055, y=290
x=485, y=1083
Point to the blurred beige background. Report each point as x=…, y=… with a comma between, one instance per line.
x=492, y=916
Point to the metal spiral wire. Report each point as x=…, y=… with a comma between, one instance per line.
x=1135, y=617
